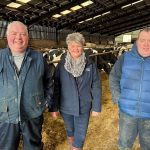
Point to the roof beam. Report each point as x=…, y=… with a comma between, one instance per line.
x=122, y=20
x=129, y=29
x=97, y=13
x=58, y=10
x=103, y=21
x=114, y=29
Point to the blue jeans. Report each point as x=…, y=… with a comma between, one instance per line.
x=76, y=126
x=129, y=128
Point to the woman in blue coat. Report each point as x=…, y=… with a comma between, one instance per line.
x=77, y=90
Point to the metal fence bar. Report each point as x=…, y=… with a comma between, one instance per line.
x=89, y=55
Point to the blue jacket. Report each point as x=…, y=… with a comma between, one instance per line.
x=78, y=95
x=130, y=84
x=23, y=96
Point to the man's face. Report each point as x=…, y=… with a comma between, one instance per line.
x=75, y=49
x=143, y=44
x=17, y=38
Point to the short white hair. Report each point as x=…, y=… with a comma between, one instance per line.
x=75, y=37
x=15, y=22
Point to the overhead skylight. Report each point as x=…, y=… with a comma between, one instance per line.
x=137, y=2
x=23, y=1
x=74, y=8
x=131, y=4
x=108, y=12
x=81, y=21
x=77, y=7
x=97, y=16
x=89, y=2
x=14, y=5
x=65, y=12
x=88, y=19
x=56, y=16
x=126, y=6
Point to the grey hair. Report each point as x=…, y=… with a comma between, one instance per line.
x=75, y=37
x=146, y=29
x=15, y=22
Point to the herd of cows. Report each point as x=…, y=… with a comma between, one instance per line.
x=104, y=58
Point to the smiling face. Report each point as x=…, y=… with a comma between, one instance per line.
x=143, y=43
x=75, y=49
x=17, y=37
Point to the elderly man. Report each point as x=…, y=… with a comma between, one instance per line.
x=26, y=86
x=130, y=87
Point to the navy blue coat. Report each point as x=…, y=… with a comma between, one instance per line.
x=77, y=95
x=23, y=96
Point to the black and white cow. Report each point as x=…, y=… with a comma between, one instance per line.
x=104, y=60
x=54, y=55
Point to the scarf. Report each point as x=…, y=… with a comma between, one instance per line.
x=75, y=67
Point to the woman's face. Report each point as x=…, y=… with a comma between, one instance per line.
x=75, y=49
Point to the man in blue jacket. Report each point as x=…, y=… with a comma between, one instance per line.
x=130, y=87
x=26, y=86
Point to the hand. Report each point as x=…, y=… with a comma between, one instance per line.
x=55, y=114
x=94, y=113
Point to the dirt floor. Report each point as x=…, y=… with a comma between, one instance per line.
x=102, y=132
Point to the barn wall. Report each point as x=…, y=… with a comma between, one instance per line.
x=3, y=43
x=39, y=44
x=42, y=44
x=36, y=43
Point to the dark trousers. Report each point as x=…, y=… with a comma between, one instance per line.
x=30, y=131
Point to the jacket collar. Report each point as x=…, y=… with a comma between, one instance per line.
x=27, y=54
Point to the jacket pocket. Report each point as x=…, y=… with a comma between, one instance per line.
x=39, y=100
x=3, y=111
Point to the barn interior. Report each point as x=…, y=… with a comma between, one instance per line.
x=110, y=27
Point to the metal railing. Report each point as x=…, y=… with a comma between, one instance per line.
x=92, y=55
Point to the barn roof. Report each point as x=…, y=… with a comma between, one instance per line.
x=105, y=17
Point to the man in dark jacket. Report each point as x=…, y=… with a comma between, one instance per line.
x=130, y=87
x=26, y=87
